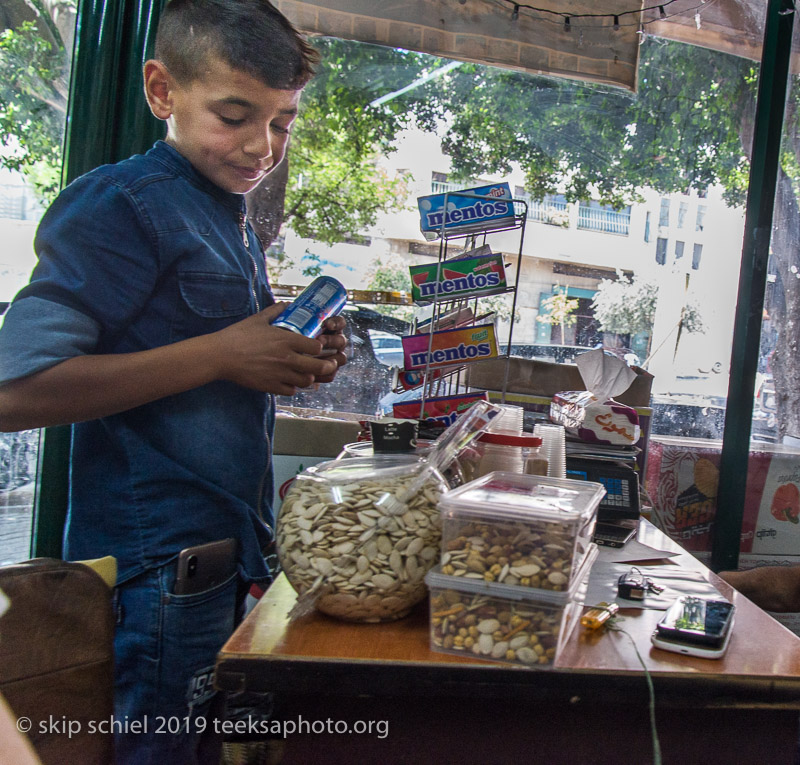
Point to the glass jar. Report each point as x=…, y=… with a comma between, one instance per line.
x=364, y=449
x=351, y=551
x=453, y=473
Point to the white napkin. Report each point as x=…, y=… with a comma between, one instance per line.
x=604, y=375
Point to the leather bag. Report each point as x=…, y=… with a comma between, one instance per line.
x=56, y=658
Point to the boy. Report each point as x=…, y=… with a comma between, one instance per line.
x=147, y=323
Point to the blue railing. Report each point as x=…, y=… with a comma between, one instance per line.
x=555, y=211
x=550, y=210
x=606, y=221
x=17, y=202
x=442, y=187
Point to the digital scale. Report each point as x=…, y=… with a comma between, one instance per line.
x=618, y=511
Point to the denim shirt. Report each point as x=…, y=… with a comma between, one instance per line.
x=134, y=256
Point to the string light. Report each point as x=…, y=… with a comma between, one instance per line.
x=616, y=17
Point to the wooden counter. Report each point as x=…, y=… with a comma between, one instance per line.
x=592, y=707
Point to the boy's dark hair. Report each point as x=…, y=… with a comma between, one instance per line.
x=249, y=35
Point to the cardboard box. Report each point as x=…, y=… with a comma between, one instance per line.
x=682, y=478
x=313, y=436
x=300, y=442
x=544, y=378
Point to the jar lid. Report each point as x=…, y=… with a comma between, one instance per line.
x=367, y=468
x=505, y=439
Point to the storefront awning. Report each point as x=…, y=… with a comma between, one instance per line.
x=593, y=40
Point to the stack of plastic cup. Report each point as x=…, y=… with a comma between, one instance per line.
x=509, y=421
x=553, y=447
x=508, y=453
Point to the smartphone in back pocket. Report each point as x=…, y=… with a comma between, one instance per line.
x=205, y=566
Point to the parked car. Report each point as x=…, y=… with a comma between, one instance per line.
x=364, y=385
x=690, y=416
x=366, y=378
x=388, y=348
x=560, y=354
x=564, y=354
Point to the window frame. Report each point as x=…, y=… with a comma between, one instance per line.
x=105, y=126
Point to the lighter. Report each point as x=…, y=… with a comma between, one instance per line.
x=597, y=616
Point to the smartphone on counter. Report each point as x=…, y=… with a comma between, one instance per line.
x=696, y=627
x=614, y=534
x=205, y=566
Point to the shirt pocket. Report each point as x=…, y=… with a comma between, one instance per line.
x=211, y=301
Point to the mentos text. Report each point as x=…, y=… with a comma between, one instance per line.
x=478, y=211
x=461, y=284
x=458, y=353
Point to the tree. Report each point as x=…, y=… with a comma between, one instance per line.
x=628, y=305
x=595, y=141
x=391, y=278
x=625, y=305
x=560, y=311
x=34, y=85
x=335, y=187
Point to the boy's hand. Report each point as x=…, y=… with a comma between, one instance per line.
x=334, y=344
x=257, y=355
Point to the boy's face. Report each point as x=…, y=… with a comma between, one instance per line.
x=232, y=127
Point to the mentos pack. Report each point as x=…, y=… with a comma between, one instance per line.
x=461, y=277
x=453, y=346
x=480, y=209
x=443, y=409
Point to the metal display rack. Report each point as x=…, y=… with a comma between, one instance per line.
x=451, y=380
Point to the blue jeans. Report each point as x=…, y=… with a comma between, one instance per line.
x=165, y=648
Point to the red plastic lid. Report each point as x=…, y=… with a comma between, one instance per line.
x=506, y=439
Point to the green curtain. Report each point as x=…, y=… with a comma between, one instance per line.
x=107, y=120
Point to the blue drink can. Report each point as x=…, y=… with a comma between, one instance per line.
x=323, y=298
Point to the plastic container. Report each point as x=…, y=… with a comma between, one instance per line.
x=554, y=448
x=526, y=531
x=501, y=623
x=348, y=551
x=512, y=454
x=508, y=421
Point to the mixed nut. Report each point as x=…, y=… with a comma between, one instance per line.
x=495, y=628
x=359, y=560
x=512, y=553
